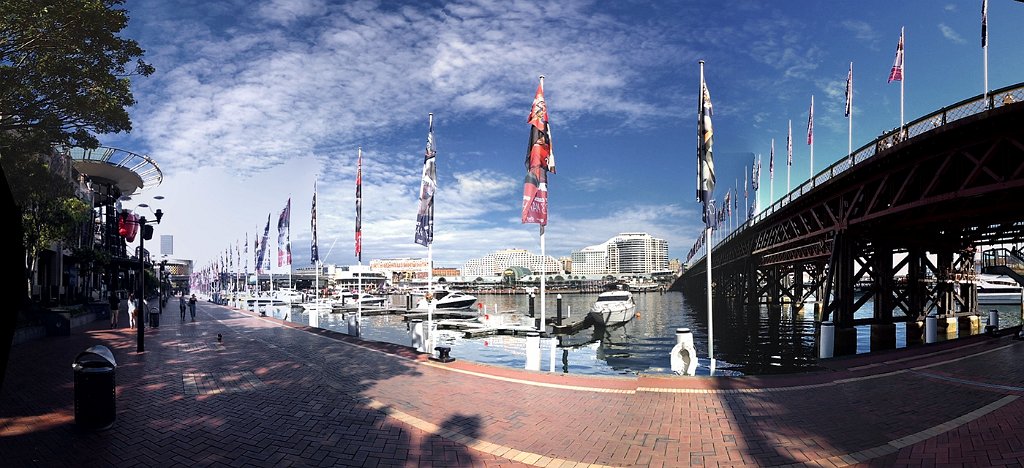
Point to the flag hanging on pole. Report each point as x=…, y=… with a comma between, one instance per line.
x=897, y=65
x=284, y=242
x=810, y=123
x=428, y=185
x=245, y=254
x=314, y=252
x=359, y=206
x=705, y=158
x=849, y=91
x=263, y=257
x=539, y=161
x=771, y=162
x=789, y=145
x=984, y=23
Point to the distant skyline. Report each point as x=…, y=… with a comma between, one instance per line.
x=252, y=102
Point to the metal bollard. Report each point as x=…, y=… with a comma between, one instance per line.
x=558, y=308
x=531, y=305
x=532, y=351
x=683, y=357
x=353, y=324
x=931, y=329
x=827, y=340
x=416, y=332
x=993, y=321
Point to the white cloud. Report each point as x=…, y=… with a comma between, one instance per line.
x=951, y=34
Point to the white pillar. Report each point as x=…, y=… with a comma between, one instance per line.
x=827, y=341
x=683, y=357
x=931, y=329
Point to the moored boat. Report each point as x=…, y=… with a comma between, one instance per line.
x=613, y=307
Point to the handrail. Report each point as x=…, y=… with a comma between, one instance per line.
x=965, y=108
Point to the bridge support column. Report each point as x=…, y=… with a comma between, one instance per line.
x=915, y=332
x=883, y=336
x=846, y=341
x=947, y=326
x=968, y=325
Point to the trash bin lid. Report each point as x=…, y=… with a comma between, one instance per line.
x=97, y=353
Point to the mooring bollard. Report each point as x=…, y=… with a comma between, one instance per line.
x=531, y=305
x=353, y=324
x=931, y=329
x=443, y=354
x=683, y=357
x=993, y=321
x=558, y=308
x=532, y=351
x=827, y=340
x=416, y=334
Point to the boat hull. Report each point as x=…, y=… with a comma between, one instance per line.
x=613, y=316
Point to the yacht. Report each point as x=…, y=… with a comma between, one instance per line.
x=613, y=307
x=449, y=300
x=998, y=289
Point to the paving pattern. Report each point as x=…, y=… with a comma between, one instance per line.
x=269, y=393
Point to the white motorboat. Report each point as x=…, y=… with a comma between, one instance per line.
x=998, y=289
x=613, y=307
x=448, y=300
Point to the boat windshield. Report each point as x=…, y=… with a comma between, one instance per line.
x=612, y=298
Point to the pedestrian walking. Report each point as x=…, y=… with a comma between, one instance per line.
x=192, y=307
x=115, y=305
x=182, y=302
x=133, y=310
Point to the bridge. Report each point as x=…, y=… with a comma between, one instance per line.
x=903, y=216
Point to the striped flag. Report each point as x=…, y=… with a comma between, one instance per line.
x=771, y=162
x=284, y=235
x=262, y=260
x=849, y=91
x=359, y=206
x=705, y=157
x=789, y=145
x=314, y=251
x=428, y=185
x=810, y=123
x=984, y=23
x=539, y=161
x=897, y=65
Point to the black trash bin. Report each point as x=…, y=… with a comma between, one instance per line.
x=95, y=389
x=154, y=319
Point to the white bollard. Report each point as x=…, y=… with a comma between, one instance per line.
x=683, y=357
x=314, y=318
x=416, y=333
x=533, y=351
x=353, y=324
x=827, y=340
x=993, y=320
x=931, y=329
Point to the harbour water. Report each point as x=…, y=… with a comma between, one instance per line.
x=764, y=340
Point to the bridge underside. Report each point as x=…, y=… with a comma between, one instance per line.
x=899, y=230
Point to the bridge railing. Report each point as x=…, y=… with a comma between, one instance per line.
x=968, y=107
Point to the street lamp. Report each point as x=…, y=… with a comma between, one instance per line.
x=146, y=232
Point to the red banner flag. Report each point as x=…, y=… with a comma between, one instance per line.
x=539, y=161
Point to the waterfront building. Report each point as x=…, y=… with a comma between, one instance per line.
x=625, y=254
x=493, y=264
x=401, y=270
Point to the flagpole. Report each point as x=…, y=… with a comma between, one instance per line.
x=789, y=155
x=903, y=79
x=771, y=175
x=849, y=120
x=984, y=46
x=707, y=240
x=810, y=137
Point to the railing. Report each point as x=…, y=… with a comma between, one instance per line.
x=146, y=168
x=968, y=107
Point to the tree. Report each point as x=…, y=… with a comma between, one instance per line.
x=65, y=75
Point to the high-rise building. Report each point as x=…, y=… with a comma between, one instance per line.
x=493, y=264
x=626, y=253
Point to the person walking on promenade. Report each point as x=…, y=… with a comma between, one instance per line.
x=182, y=302
x=133, y=310
x=115, y=306
x=192, y=307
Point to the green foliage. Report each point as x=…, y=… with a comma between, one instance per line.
x=51, y=211
x=64, y=73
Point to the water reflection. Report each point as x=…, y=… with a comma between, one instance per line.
x=748, y=340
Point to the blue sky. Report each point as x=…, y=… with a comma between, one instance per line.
x=253, y=101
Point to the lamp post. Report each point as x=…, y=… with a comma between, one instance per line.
x=146, y=232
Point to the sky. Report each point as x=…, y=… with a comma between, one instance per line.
x=253, y=102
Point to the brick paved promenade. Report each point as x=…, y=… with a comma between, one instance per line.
x=274, y=394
